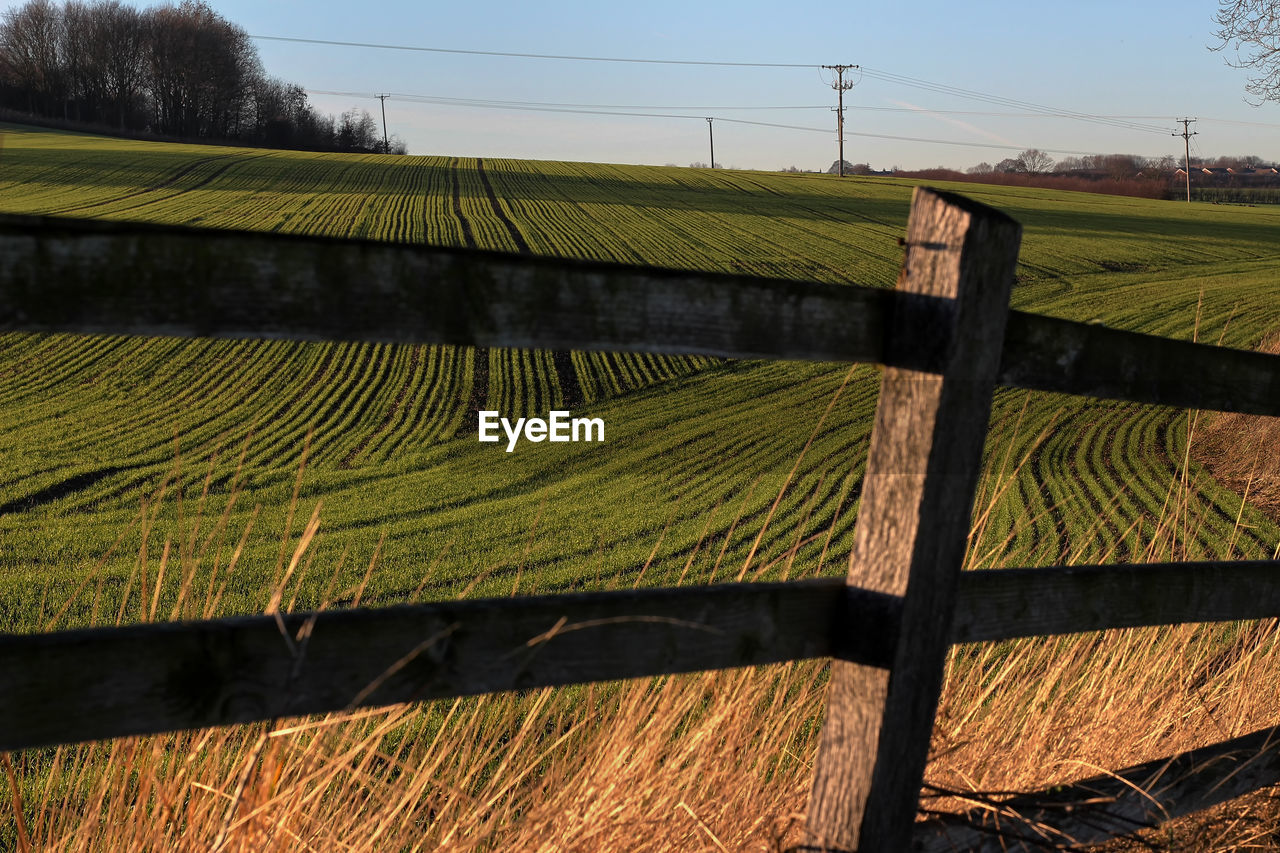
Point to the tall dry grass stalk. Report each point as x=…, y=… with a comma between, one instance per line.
x=1243, y=451
x=641, y=765
x=602, y=768
x=717, y=761
x=1029, y=714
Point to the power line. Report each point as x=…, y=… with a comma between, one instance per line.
x=703, y=108
x=1240, y=123
x=946, y=89
x=531, y=108
x=691, y=108
x=926, y=140
x=445, y=99
x=884, y=76
x=999, y=113
x=419, y=49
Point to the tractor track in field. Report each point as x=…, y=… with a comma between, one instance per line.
x=64, y=488
x=455, y=189
x=815, y=212
x=171, y=181
x=570, y=389
x=479, y=396
x=522, y=245
x=567, y=376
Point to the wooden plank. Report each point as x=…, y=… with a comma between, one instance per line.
x=1001, y=604
x=1049, y=354
x=83, y=685
x=925, y=458
x=131, y=278
x=51, y=678
x=69, y=275
x=1105, y=806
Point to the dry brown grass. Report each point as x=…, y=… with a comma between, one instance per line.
x=693, y=763
x=1243, y=451
x=1031, y=714
x=717, y=761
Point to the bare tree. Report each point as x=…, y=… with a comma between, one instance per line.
x=200, y=66
x=178, y=70
x=29, y=38
x=357, y=131
x=276, y=112
x=77, y=73
x=1121, y=167
x=1251, y=30
x=118, y=38
x=1034, y=161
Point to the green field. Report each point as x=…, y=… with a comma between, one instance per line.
x=696, y=449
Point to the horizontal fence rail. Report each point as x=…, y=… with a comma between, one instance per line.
x=99, y=683
x=106, y=682
x=1001, y=604
x=81, y=275
x=59, y=275
x=67, y=275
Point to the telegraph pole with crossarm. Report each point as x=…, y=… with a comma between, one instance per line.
x=1186, y=135
x=841, y=86
x=386, y=147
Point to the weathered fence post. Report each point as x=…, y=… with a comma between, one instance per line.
x=926, y=454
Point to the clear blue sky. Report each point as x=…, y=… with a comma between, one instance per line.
x=1101, y=58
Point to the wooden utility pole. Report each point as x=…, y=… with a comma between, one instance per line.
x=841, y=86
x=712, y=137
x=1186, y=147
x=386, y=148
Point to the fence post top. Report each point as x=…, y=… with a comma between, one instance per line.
x=931, y=195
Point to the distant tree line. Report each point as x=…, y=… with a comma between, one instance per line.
x=1113, y=174
x=180, y=71
x=1114, y=166
x=1117, y=167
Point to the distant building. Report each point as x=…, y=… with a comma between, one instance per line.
x=1227, y=176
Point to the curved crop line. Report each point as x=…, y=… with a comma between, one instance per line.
x=410, y=372
x=420, y=382
x=285, y=421
x=353, y=401
x=329, y=406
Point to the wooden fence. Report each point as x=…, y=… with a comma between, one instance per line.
x=947, y=339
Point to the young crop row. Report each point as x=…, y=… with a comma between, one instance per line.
x=697, y=450
x=582, y=210
x=124, y=400
x=1088, y=481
